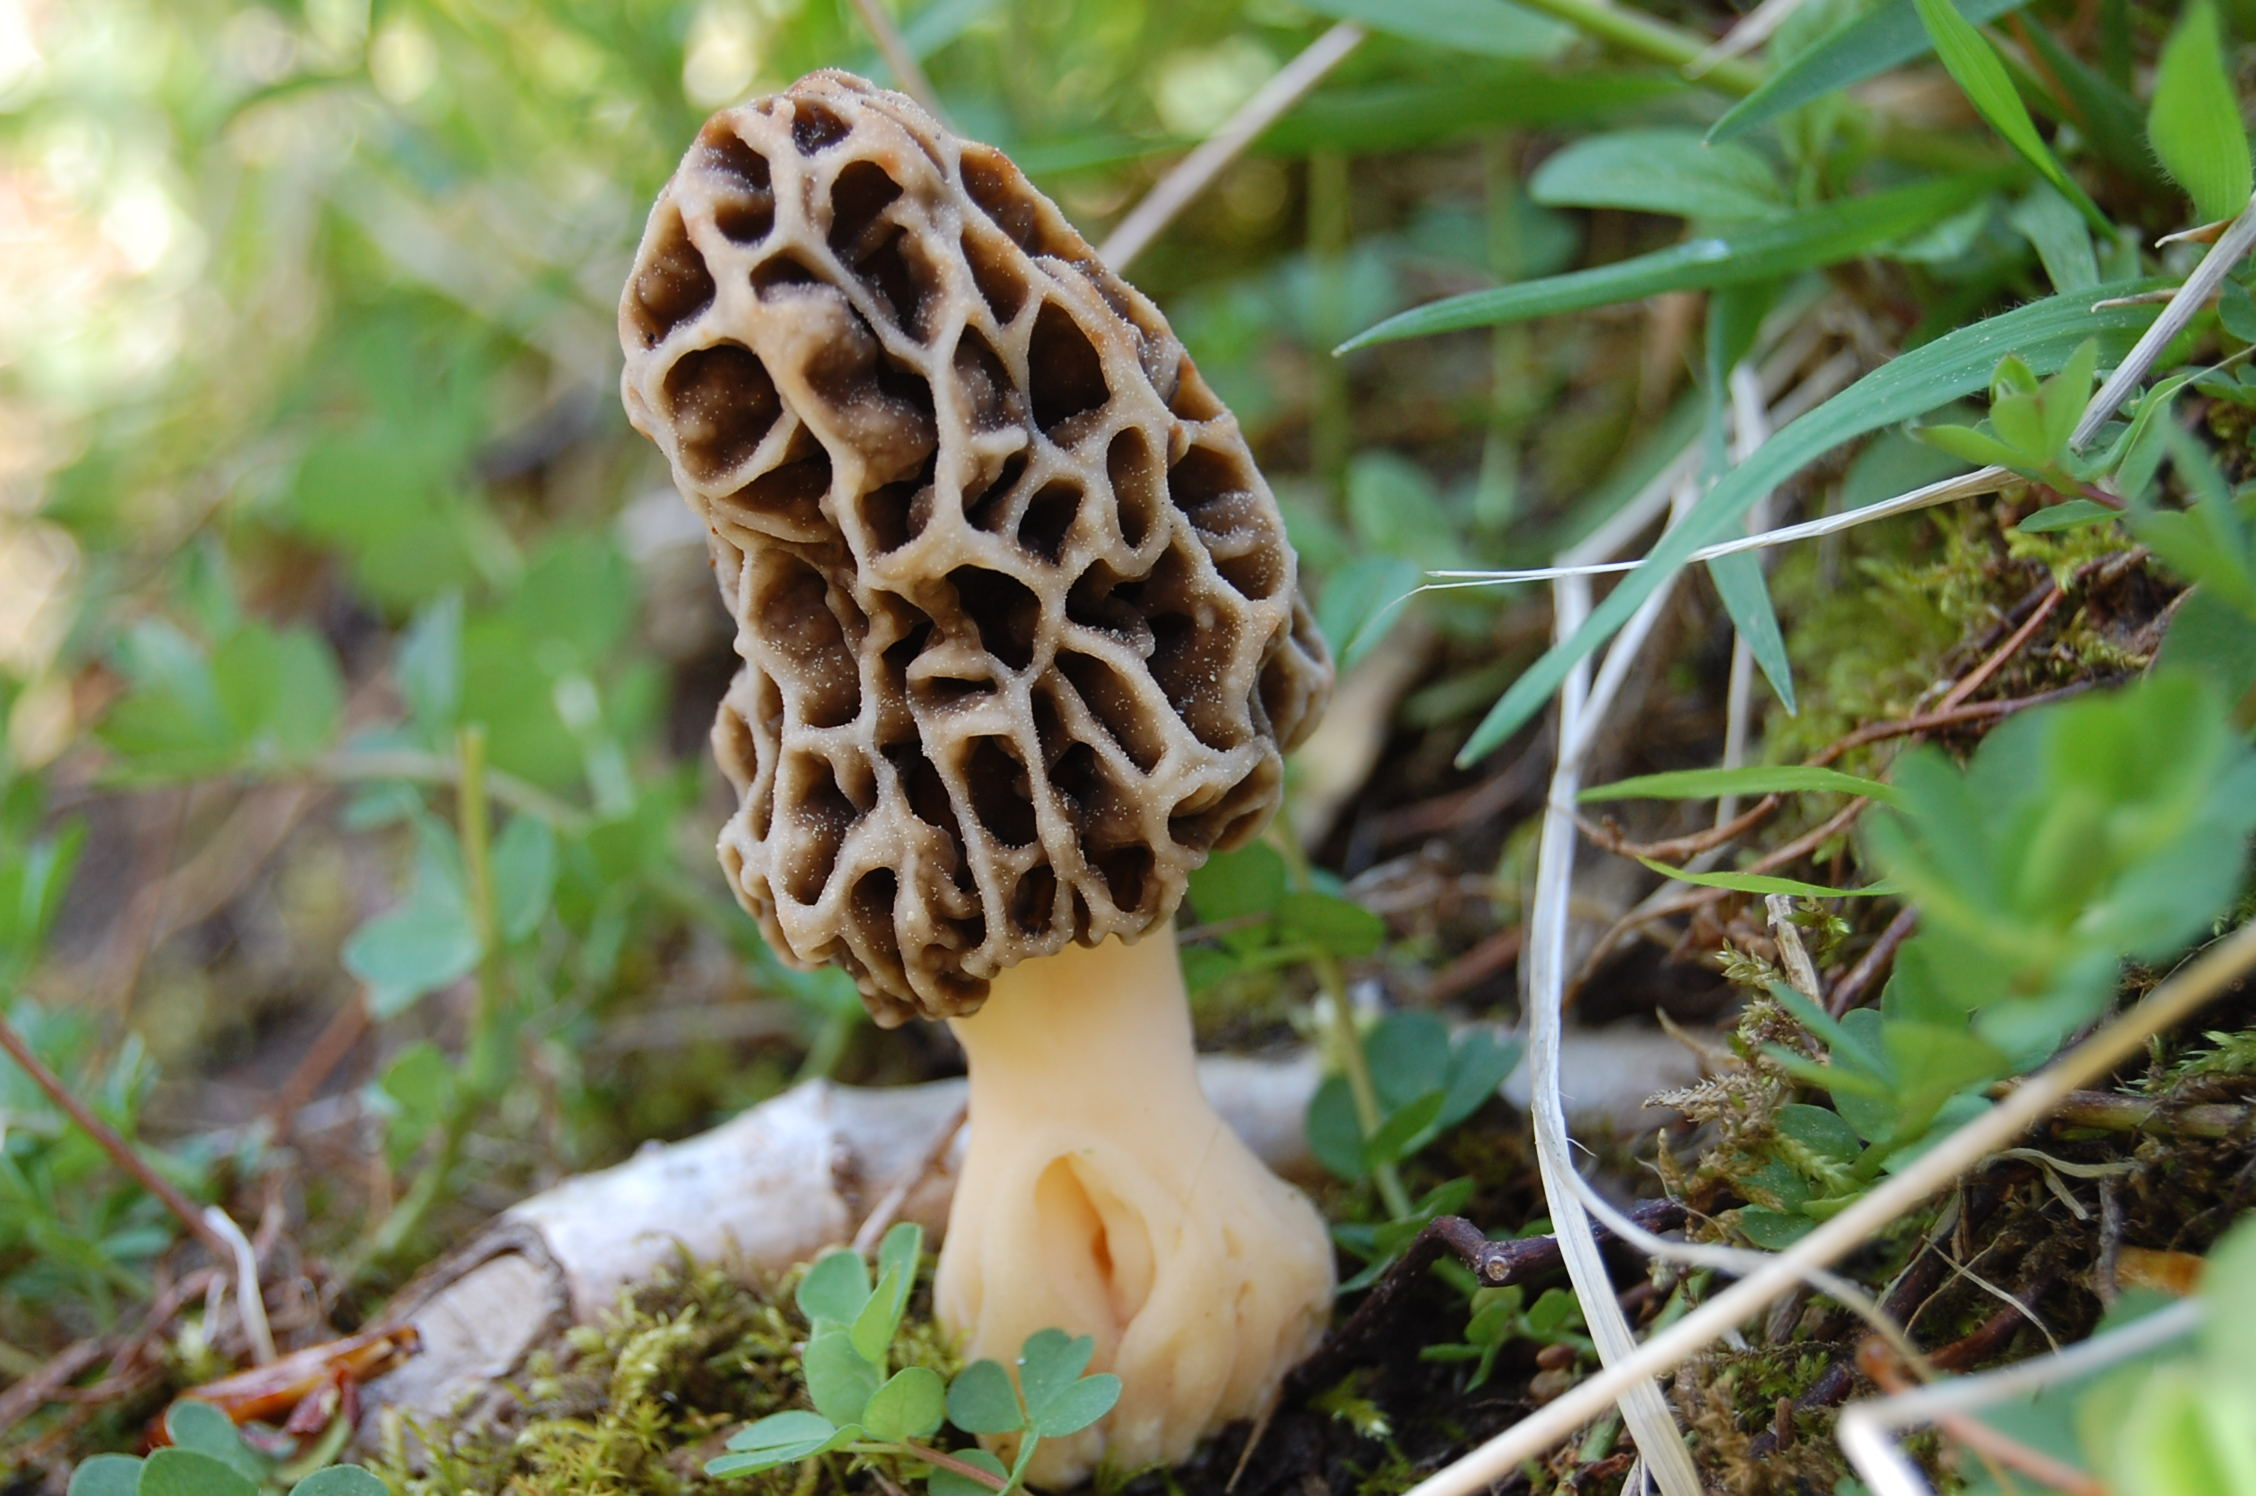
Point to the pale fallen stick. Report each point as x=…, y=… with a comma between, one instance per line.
x=802, y=1172
x=772, y=1187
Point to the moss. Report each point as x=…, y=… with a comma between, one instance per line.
x=639, y=1401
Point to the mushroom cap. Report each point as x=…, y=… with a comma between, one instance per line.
x=1021, y=631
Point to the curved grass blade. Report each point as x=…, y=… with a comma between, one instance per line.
x=1975, y=67
x=2045, y=334
x=1746, y=597
x=1889, y=37
x=1756, y=251
x=1753, y=779
x=1763, y=883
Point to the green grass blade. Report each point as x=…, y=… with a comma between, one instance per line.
x=1494, y=28
x=1746, y=597
x=2050, y=224
x=1765, y=250
x=2194, y=125
x=1754, y=779
x=1764, y=883
x=1975, y=66
x=1889, y=37
x=2044, y=334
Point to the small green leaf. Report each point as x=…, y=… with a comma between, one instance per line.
x=1404, y=1132
x=341, y=1480
x=1819, y=1129
x=902, y=1248
x=1239, y=885
x=834, y=1290
x=1338, y=926
x=981, y=1400
x=2194, y=124
x=186, y=1472
x=429, y=667
x=840, y=1378
x=781, y=1439
x=948, y=1483
x=1334, y=1135
x=1754, y=779
x=1361, y=602
x=1975, y=446
x=1408, y=1053
x=910, y=1405
x=205, y=1429
x=1764, y=883
x=106, y=1475
x=1074, y=1408
x=1773, y=1230
x=783, y=1431
x=2067, y=515
x=422, y=945
x=1971, y=61
x=1049, y=1362
x=881, y=1314
x=524, y=875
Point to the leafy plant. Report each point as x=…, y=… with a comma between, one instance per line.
x=2079, y=834
x=862, y=1407
x=209, y=1456
x=1501, y=1316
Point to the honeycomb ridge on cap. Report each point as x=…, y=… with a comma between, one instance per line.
x=1021, y=633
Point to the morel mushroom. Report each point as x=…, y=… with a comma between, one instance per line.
x=1022, y=644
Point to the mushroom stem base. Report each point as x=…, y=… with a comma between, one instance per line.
x=1102, y=1195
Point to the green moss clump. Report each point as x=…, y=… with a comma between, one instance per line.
x=635, y=1404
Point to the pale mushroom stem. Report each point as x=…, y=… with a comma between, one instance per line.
x=1102, y=1195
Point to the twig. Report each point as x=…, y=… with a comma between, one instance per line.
x=2222, y=966
x=894, y=48
x=888, y=1208
x=1197, y=171
x=1979, y=676
x=328, y=1050
x=106, y=1137
x=1496, y=1263
x=1859, y=979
